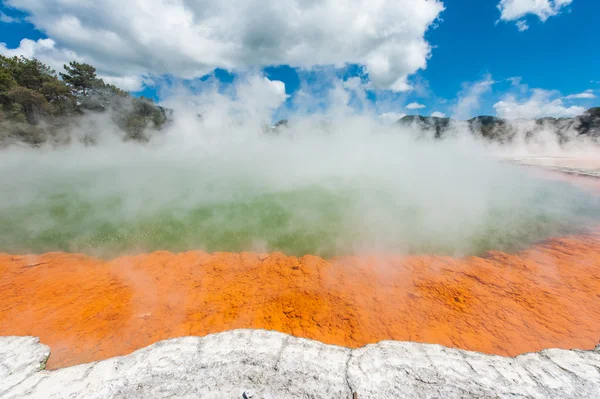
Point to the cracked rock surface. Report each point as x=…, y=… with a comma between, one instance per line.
x=263, y=364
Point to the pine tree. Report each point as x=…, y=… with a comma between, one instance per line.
x=81, y=78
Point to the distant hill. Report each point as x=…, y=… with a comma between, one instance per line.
x=502, y=130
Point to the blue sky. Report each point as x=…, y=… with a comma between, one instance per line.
x=555, y=55
x=469, y=43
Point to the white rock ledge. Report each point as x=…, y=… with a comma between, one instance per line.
x=262, y=364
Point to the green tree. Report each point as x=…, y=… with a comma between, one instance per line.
x=34, y=104
x=113, y=90
x=59, y=95
x=7, y=81
x=31, y=92
x=30, y=88
x=31, y=74
x=81, y=78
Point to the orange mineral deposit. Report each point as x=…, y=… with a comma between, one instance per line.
x=87, y=309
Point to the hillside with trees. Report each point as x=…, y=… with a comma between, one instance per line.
x=38, y=106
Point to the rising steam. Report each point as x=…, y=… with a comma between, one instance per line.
x=333, y=182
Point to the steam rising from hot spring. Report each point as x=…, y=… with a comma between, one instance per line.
x=330, y=185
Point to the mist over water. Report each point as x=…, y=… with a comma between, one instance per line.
x=345, y=185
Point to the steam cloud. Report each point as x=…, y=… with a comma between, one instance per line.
x=332, y=182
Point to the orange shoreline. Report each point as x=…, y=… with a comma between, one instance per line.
x=88, y=309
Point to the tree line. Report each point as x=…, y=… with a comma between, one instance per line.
x=37, y=105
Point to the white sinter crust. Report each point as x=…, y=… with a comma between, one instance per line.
x=262, y=364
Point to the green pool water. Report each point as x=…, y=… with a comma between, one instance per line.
x=325, y=196
x=328, y=220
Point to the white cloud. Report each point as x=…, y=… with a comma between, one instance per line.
x=355, y=83
x=586, y=95
x=438, y=114
x=516, y=10
x=541, y=103
x=415, y=106
x=522, y=25
x=44, y=49
x=515, y=80
x=469, y=99
x=189, y=38
x=259, y=95
x=247, y=103
x=391, y=117
x=128, y=83
x=7, y=19
x=512, y=10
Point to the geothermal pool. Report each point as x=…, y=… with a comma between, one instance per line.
x=105, y=252
x=337, y=202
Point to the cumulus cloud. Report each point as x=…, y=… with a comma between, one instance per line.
x=188, y=38
x=516, y=10
x=541, y=103
x=438, y=114
x=586, y=95
x=415, y=106
x=44, y=50
x=469, y=99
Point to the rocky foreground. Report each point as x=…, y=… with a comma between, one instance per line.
x=262, y=364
